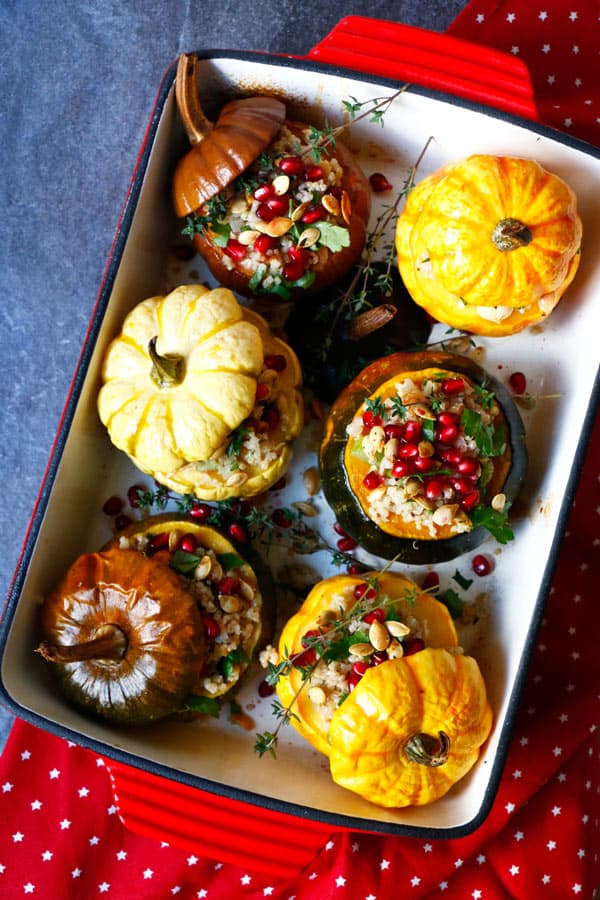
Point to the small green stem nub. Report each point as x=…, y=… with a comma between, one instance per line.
x=427, y=750
x=510, y=234
x=168, y=370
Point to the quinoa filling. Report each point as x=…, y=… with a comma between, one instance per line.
x=277, y=222
x=427, y=451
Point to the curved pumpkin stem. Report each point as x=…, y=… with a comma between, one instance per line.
x=110, y=644
x=371, y=320
x=192, y=115
x=427, y=750
x=167, y=371
x=510, y=234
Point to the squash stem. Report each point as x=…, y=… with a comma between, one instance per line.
x=510, y=234
x=194, y=121
x=427, y=750
x=167, y=371
x=110, y=644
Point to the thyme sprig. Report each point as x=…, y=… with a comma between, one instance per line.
x=328, y=643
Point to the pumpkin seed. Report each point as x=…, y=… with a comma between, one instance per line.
x=317, y=695
x=246, y=590
x=361, y=649
x=309, y=237
x=236, y=479
x=280, y=184
x=397, y=629
x=498, y=502
x=412, y=487
x=216, y=569
x=346, y=206
x=312, y=481
x=395, y=650
x=423, y=412
x=299, y=211
x=379, y=635
x=307, y=509
x=445, y=515
x=277, y=227
x=229, y=603
x=174, y=537
x=247, y=237
x=331, y=204
x=426, y=449
x=390, y=450
x=203, y=568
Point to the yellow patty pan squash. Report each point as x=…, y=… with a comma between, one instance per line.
x=411, y=728
x=200, y=395
x=390, y=616
x=489, y=244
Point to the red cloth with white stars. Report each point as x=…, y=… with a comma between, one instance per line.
x=60, y=834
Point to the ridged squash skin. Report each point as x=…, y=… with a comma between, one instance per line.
x=489, y=244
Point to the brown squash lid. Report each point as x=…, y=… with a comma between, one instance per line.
x=221, y=150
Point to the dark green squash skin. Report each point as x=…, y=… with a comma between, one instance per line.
x=334, y=479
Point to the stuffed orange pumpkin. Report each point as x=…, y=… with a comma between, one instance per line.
x=489, y=244
x=272, y=217
x=411, y=728
x=346, y=625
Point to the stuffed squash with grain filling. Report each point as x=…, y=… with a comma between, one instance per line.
x=422, y=453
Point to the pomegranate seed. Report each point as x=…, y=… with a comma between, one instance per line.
x=413, y=645
x=462, y=485
x=447, y=434
x=271, y=415
x=363, y=590
x=292, y=271
x=374, y=615
x=235, y=250
x=158, y=542
x=360, y=667
x=281, y=518
x=481, y=565
x=299, y=255
x=263, y=243
x=262, y=391
x=113, y=506
x=188, y=543
x=279, y=485
x=379, y=183
x=291, y=165
x=431, y=582
x=424, y=464
x=408, y=451
x=379, y=657
x=470, y=501
x=356, y=569
x=370, y=419
x=265, y=689
x=346, y=544
x=401, y=468
x=314, y=214
x=434, y=488
x=265, y=213
x=228, y=585
x=122, y=521
x=263, y=192
x=352, y=680
x=183, y=252
x=279, y=206
x=451, y=386
x=212, y=629
x=304, y=659
x=313, y=173
x=133, y=495
x=518, y=382
x=468, y=466
x=393, y=430
x=412, y=431
x=372, y=480
x=238, y=533
x=307, y=638
x=451, y=456
x=448, y=418
x=339, y=530
x=200, y=511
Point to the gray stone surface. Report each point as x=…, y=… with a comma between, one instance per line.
x=78, y=84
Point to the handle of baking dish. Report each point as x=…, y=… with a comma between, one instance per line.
x=430, y=59
x=221, y=828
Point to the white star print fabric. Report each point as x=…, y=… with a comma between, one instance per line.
x=61, y=835
x=559, y=41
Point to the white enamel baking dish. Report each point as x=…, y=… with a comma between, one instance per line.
x=211, y=765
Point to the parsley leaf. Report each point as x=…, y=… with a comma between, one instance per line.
x=207, y=705
x=490, y=441
x=495, y=522
x=452, y=601
x=463, y=582
x=334, y=237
